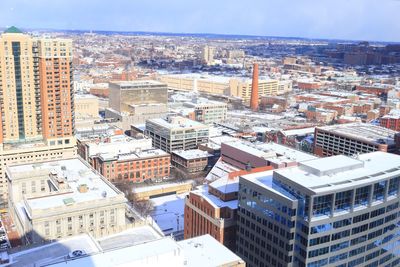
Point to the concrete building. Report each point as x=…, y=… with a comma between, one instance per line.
x=208, y=111
x=141, y=246
x=86, y=107
x=207, y=55
x=134, y=102
x=36, y=101
x=337, y=211
x=176, y=133
x=59, y=198
x=125, y=94
x=353, y=138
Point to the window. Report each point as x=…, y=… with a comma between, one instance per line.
x=393, y=186
x=379, y=191
x=343, y=201
x=362, y=196
x=322, y=205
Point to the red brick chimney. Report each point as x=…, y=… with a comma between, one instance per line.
x=254, y=89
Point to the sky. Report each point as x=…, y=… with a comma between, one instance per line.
x=370, y=20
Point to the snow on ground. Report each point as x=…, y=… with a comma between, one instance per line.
x=168, y=212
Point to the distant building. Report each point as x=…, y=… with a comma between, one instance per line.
x=125, y=94
x=208, y=112
x=353, y=138
x=266, y=87
x=134, y=102
x=59, y=198
x=207, y=55
x=391, y=120
x=336, y=211
x=176, y=133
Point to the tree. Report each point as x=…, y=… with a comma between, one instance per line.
x=144, y=207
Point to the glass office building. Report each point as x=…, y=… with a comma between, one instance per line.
x=338, y=211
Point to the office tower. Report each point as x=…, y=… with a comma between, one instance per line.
x=134, y=102
x=254, y=89
x=336, y=211
x=208, y=55
x=176, y=133
x=353, y=138
x=36, y=100
x=125, y=94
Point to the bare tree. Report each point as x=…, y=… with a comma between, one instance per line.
x=144, y=207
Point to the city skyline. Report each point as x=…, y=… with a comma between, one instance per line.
x=368, y=20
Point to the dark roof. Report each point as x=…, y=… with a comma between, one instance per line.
x=13, y=29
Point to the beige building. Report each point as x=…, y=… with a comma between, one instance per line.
x=242, y=88
x=60, y=198
x=125, y=94
x=228, y=86
x=36, y=101
x=86, y=106
x=19, y=78
x=199, y=83
x=207, y=55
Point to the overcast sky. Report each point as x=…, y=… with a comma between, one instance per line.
x=341, y=19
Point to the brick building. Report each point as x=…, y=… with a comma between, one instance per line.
x=391, y=120
x=191, y=161
x=211, y=209
x=133, y=167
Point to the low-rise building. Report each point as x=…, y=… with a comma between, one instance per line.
x=135, y=166
x=86, y=106
x=191, y=162
x=60, y=198
x=391, y=120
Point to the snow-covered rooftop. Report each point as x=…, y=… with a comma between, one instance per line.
x=340, y=172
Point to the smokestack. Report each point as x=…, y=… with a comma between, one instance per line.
x=254, y=89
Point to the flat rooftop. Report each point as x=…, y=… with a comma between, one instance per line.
x=140, y=154
x=147, y=84
x=191, y=154
x=340, y=172
x=73, y=172
x=265, y=180
x=364, y=131
x=56, y=252
x=177, y=123
x=213, y=200
x=206, y=251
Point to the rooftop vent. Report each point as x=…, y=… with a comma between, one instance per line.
x=83, y=188
x=104, y=194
